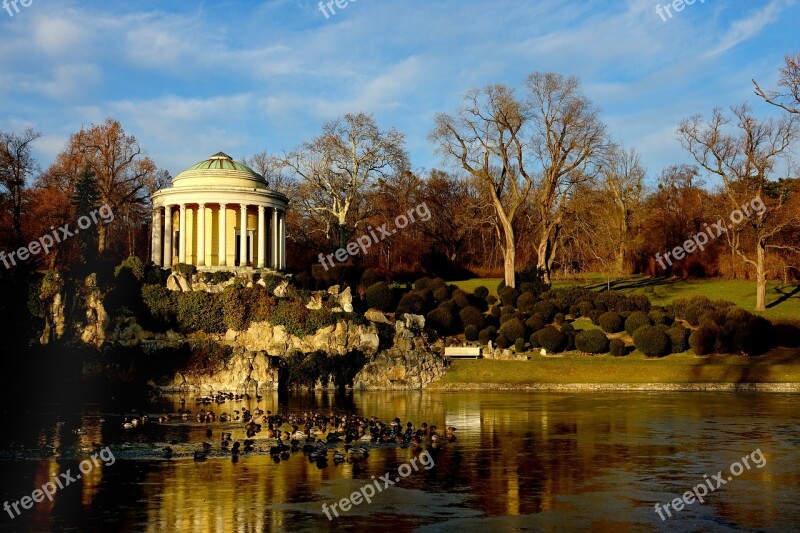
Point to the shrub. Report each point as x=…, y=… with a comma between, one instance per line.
x=412, y=303
x=546, y=308
x=379, y=296
x=199, y=311
x=712, y=317
x=234, y=308
x=591, y=341
x=694, y=312
x=460, y=298
x=567, y=328
x=661, y=316
x=158, y=301
x=221, y=276
x=559, y=318
x=370, y=277
x=611, y=322
x=594, y=316
x=703, y=339
x=134, y=265
x=584, y=306
x=441, y=294
x=574, y=311
x=487, y=334
x=639, y=302
x=481, y=292
x=495, y=311
x=187, y=271
x=502, y=342
x=519, y=345
x=534, y=338
x=471, y=332
x=652, y=341
x=512, y=329
x=753, y=336
x=442, y=320
x=526, y=301
x=617, y=347
x=472, y=316
x=535, y=322
x=508, y=295
x=552, y=340
x=636, y=320
x=491, y=299
x=679, y=338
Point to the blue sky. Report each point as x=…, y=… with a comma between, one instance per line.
x=191, y=78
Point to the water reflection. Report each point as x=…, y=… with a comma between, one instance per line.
x=538, y=461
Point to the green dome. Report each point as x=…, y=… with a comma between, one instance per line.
x=220, y=169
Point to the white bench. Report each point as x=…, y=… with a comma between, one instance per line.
x=462, y=352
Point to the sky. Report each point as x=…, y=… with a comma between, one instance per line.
x=189, y=79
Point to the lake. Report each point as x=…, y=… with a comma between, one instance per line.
x=532, y=461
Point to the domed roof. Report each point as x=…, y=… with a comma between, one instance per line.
x=220, y=169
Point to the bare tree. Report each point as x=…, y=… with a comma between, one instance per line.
x=336, y=168
x=623, y=181
x=486, y=138
x=745, y=159
x=273, y=169
x=16, y=166
x=568, y=145
x=788, y=98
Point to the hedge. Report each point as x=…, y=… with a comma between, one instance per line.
x=551, y=339
x=703, y=339
x=512, y=329
x=591, y=341
x=611, y=322
x=636, y=320
x=472, y=316
x=679, y=338
x=652, y=341
x=617, y=347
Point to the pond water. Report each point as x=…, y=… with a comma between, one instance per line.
x=528, y=461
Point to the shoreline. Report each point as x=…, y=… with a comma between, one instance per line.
x=632, y=387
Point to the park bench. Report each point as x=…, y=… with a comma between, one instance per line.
x=462, y=352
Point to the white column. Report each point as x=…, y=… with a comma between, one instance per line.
x=222, y=255
x=243, y=236
x=262, y=237
x=283, y=240
x=168, y=237
x=201, y=235
x=156, y=241
x=182, y=237
x=275, y=240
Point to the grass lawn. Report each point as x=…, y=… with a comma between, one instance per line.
x=778, y=366
x=783, y=301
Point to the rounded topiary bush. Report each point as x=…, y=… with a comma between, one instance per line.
x=703, y=339
x=652, y=341
x=611, y=322
x=508, y=295
x=617, y=347
x=526, y=301
x=535, y=322
x=512, y=329
x=551, y=339
x=567, y=328
x=661, y=316
x=534, y=338
x=379, y=296
x=546, y=308
x=370, y=277
x=441, y=294
x=481, y=292
x=695, y=311
x=574, y=311
x=584, y=306
x=752, y=336
x=591, y=341
x=495, y=311
x=442, y=320
x=502, y=342
x=491, y=299
x=461, y=298
x=472, y=316
x=487, y=334
x=712, y=317
x=471, y=333
x=636, y=320
x=594, y=315
x=412, y=303
x=519, y=345
x=679, y=338
x=559, y=318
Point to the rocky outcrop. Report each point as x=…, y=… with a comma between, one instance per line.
x=97, y=321
x=338, y=339
x=246, y=372
x=409, y=364
x=51, y=298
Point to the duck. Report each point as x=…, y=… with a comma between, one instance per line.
x=200, y=456
x=167, y=451
x=339, y=457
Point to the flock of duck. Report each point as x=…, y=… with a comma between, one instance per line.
x=347, y=437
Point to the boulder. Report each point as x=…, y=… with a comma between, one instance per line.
x=346, y=300
x=373, y=315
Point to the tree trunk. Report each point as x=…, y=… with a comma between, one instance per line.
x=761, y=277
x=509, y=253
x=543, y=259
x=101, y=238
